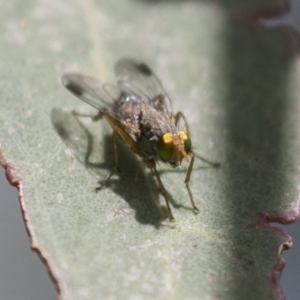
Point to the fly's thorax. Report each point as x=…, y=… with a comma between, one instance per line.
x=154, y=123
x=173, y=147
x=128, y=107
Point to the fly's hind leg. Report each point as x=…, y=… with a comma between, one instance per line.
x=118, y=131
x=116, y=165
x=163, y=191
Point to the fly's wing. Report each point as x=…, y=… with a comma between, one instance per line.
x=135, y=77
x=90, y=90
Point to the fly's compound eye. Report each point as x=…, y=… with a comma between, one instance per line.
x=165, y=147
x=187, y=141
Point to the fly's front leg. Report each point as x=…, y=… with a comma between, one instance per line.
x=116, y=165
x=211, y=163
x=187, y=180
x=179, y=116
x=163, y=191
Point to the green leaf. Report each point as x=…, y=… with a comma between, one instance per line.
x=236, y=82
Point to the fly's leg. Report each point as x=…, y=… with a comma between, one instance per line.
x=95, y=118
x=179, y=116
x=123, y=135
x=187, y=180
x=116, y=166
x=163, y=191
x=119, y=132
x=98, y=116
x=211, y=163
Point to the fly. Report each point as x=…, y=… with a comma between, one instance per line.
x=141, y=115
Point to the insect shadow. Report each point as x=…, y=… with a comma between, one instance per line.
x=133, y=183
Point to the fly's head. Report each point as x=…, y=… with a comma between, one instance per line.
x=172, y=148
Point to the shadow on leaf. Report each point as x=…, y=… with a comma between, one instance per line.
x=133, y=184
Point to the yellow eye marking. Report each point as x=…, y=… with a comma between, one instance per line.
x=183, y=135
x=167, y=138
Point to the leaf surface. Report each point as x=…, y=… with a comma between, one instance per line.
x=237, y=83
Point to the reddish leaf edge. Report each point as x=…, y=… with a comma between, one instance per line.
x=14, y=180
x=256, y=19
x=287, y=243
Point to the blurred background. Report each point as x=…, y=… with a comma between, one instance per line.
x=23, y=276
